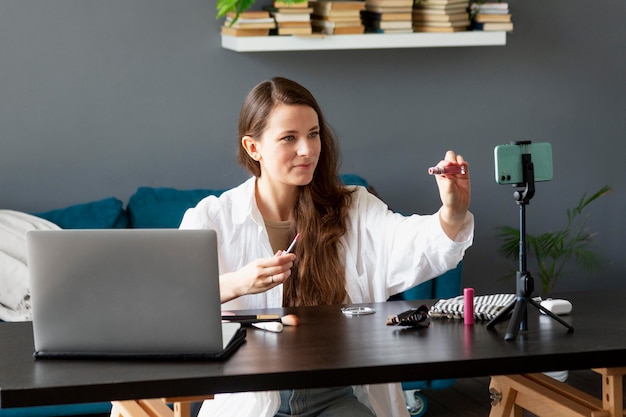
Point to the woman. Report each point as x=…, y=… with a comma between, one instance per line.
x=351, y=249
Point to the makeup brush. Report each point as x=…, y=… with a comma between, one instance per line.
x=270, y=326
x=290, y=320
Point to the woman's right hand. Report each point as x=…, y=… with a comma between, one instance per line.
x=256, y=277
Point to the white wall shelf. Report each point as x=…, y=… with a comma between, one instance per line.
x=365, y=41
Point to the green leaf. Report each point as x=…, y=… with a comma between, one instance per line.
x=224, y=7
x=510, y=247
x=551, y=251
x=236, y=6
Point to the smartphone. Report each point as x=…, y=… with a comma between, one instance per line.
x=508, y=162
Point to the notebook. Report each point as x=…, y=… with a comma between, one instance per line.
x=128, y=293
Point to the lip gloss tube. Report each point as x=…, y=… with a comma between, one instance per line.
x=452, y=169
x=291, y=246
x=468, y=306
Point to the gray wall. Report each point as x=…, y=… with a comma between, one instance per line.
x=98, y=97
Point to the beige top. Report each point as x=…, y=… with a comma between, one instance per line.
x=280, y=233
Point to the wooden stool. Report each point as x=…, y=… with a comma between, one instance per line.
x=541, y=395
x=546, y=397
x=613, y=390
x=156, y=407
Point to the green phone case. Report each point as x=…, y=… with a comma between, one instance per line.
x=508, y=162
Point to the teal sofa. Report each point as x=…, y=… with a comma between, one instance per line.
x=148, y=207
x=151, y=207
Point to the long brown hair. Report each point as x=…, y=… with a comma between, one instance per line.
x=320, y=212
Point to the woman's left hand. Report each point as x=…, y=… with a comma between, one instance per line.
x=454, y=191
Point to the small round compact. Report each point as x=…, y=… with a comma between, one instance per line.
x=357, y=311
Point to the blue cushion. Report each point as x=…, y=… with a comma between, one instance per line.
x=58, y=410
x=449, y=284
x=446, y=285
x=163, y=207
x=354, y=179
x=103, y=214
x=424, y=291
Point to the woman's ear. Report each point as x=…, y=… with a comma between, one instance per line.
x=251, y=146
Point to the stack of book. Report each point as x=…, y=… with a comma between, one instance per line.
x=491, y=17
x=388, y=16
x=337, y=17
x=292, y=18
x=441, y=16
x=250, y=23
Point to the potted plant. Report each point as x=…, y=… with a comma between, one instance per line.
x=238, y=6
x=552, y=250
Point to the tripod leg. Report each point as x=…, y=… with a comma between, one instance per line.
x=570, y=328
x=519, y=314
x=501, y=315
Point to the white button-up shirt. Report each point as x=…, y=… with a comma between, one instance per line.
x=384, y=253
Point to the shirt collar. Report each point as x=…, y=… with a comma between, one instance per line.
x=248, y=210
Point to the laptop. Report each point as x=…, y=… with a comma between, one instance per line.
x=128, y=293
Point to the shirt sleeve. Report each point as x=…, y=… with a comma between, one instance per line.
x=397, y=252
x=196, y=217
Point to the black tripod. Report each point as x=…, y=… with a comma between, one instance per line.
x=524, y=281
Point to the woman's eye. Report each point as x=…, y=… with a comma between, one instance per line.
x=314, y=134
x=288, y=138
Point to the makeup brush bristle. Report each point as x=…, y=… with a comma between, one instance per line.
x=290, y=320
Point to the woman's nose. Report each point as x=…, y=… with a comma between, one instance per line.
x=304, y=147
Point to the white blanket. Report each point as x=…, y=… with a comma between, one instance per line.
x=14, y=284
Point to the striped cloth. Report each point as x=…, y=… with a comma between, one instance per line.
x=486, y=307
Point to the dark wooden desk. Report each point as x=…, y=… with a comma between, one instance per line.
x=327, y=346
